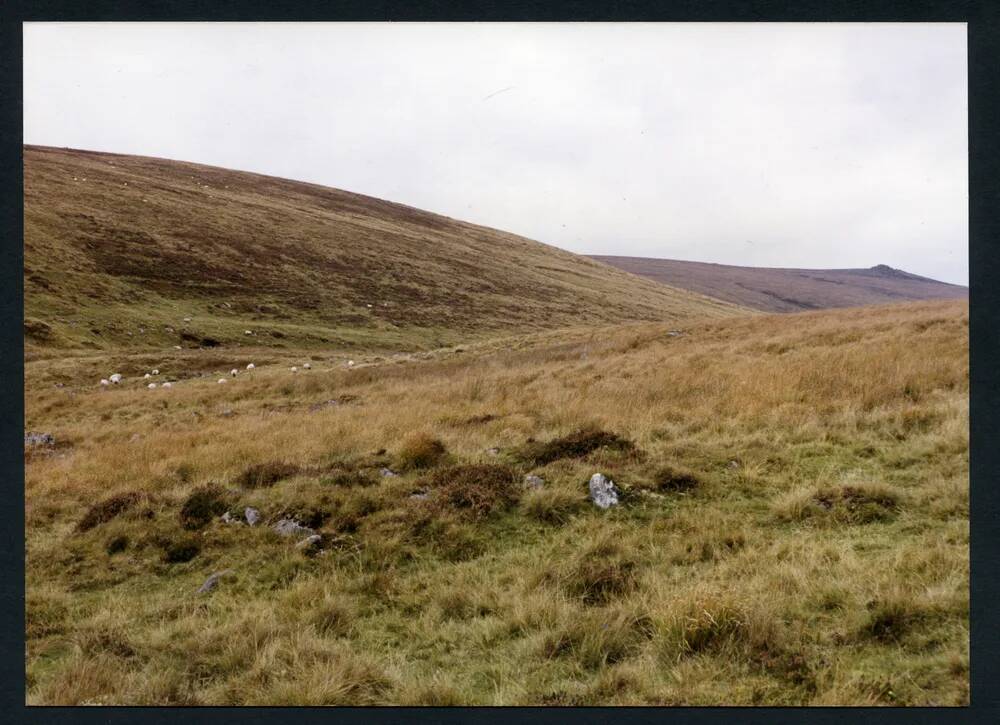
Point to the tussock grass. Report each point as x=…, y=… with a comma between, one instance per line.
x=828, y=567
x=261, y=475
x=420, y=450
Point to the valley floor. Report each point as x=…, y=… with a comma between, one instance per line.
x=793, y=525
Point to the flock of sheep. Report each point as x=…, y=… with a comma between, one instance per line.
x=117, y=378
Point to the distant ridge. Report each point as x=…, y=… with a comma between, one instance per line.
x=774, y=289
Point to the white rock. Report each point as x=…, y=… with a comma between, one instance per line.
x=252, y=515
x=309, y=541
x=177, y=347
x=288, y=527
x=151, y=386
x=167, y=385
x=533, y=481
x=602, y=491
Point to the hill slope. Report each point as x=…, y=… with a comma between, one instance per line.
x=120, y=249
x=772, y=289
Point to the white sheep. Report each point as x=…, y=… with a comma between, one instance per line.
x=221, y=381
x=147, y=376
x=167, y=384
x=250, y=366
x=350, y=363
x=156, y=372
x=234, y=372
x=151, y=386
x=187, y=319
x=116, y=378
x=247, y=332
x=177, y=347
x=306, y=366
x=294, y=369
x=104, y=382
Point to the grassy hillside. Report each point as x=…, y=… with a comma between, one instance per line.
x=119, y=250
x=790, y=290
x=793, y=527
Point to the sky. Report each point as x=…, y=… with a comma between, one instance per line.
x=790, y=145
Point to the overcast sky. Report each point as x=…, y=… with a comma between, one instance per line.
x=799, y=145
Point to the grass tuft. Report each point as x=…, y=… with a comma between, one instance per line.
x=203, y=505
x=477, y=489
x=263, y=475
x=108, y=509
x=575, y=445
x=420, y=450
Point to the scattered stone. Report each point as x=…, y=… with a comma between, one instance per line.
x=213, y=581
x=733, y=465
x=675, y=333
x=227, y=413
x=135, y=438
x=32, y=440
x=60, y=385
x=252, y=515
x=387, y=473
x=493, y=451
x=533, y=481
x=310, y=542
x=288, y=527
x=315, y=407
x=602, y=491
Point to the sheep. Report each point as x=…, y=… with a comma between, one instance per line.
x=156, y=372
x=187, y=319
x=234, y=372
x=167, y=384
x=294, y=369
x=116, y=378
x=306, y=366
x=248, y=332
x=104, y=382
x=250, y=366
x=147, y=376
x=151, y=386
x=350, y=363
x=177, y=347
x=221, y=381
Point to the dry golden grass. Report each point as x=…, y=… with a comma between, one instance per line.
x=820, y=558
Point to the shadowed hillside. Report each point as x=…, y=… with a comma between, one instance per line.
x=119, y=250
x=790, y=290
